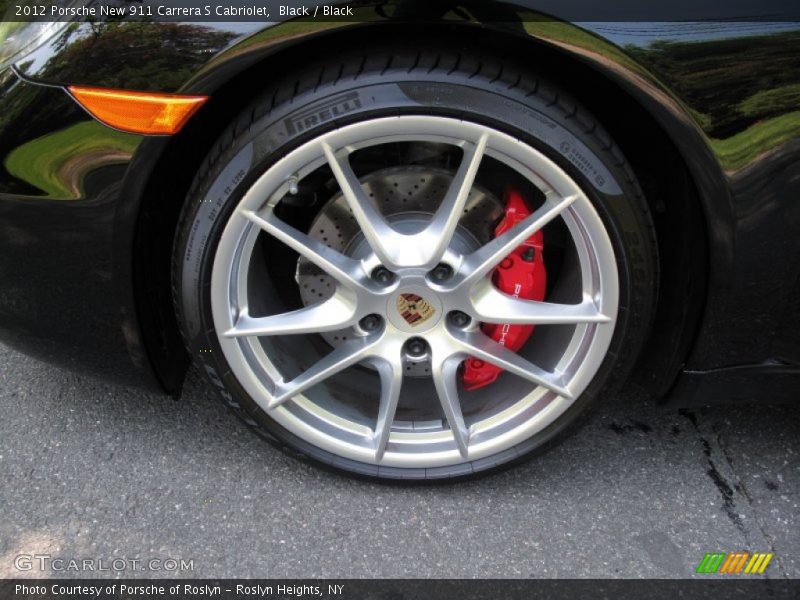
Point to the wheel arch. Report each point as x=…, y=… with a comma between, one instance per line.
x=646, y=121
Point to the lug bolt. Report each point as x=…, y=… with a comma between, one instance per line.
x=441, y=272
x=459, y=319
x=370, y=322
x=528, y=254
x=382, y=275
x=416, y=347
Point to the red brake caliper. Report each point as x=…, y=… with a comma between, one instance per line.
x=521, y=275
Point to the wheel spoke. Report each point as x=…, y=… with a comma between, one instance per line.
x=478, y=264
x=440, y=231
x=342, y=268
x=338, y=312
x=384, y=241
x=445, y=378
x=342, y=357
x=492, y=306
x=483, y=347
x=391, y=373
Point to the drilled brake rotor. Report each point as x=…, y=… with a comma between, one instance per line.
x=407, y=197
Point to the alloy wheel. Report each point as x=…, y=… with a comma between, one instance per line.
x=351, y=373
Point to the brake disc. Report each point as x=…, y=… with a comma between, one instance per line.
x=407, y=197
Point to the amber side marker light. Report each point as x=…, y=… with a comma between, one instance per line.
x=138, y=112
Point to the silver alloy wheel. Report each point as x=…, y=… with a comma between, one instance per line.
x=545, y=393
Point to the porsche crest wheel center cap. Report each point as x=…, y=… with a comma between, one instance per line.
x=414, y=309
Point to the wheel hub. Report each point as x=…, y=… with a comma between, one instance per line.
x=407, y=197
x=414, y=310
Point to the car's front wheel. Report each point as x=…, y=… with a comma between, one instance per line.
x=414, y=265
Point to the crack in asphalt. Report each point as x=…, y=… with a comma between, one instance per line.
x=725, y=488
x=742, y=489
x=722, y=484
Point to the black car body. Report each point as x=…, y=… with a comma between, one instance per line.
x=705, y=102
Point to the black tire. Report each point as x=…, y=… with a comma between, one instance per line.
x=390, y=81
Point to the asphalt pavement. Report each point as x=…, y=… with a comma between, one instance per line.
x=94, y=471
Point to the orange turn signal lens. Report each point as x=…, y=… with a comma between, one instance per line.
x=138, y=112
